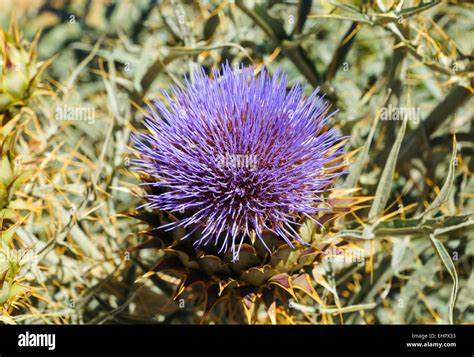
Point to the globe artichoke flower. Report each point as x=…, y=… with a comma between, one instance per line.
x=233, y=168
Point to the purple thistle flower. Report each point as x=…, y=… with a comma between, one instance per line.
x=240, y=154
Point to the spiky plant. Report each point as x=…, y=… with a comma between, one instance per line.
x=12, y=176
x=235, y=171
x=9, y=171
x=11, y=260
x=20, y=73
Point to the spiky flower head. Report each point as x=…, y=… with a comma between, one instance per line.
x=240, y=154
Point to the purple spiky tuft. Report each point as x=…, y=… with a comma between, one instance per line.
x=240, y=154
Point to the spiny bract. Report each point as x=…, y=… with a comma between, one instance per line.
x=241, y=155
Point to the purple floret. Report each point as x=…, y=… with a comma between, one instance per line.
x=240, y=155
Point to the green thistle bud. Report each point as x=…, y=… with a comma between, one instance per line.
x=19, y=70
